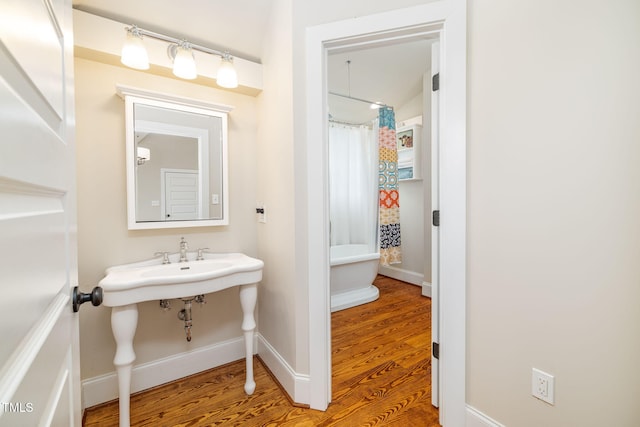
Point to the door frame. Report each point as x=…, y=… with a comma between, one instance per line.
x=448, y=17
x=434, y=156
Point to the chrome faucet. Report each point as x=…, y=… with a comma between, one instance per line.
x=183, y=250
x=200, y=256
x=165, y=257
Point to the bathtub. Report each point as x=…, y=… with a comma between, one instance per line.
x=353, y=269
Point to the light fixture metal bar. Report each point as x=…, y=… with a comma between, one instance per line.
x=170, y=39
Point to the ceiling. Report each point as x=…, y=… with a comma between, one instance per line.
x=391, y=74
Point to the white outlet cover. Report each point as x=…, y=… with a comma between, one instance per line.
x=263, y=216
x=542, y=386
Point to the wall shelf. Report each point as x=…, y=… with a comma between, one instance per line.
x=409, y=152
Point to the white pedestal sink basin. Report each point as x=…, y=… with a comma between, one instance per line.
x=126, y=285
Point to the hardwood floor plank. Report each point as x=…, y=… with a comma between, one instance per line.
x=381, y=377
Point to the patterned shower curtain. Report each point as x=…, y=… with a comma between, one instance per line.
x=390, y=250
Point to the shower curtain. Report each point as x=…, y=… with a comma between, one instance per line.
x=390, y=249
x=353, y=154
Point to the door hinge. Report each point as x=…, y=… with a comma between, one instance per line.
x=435, y=82
x=435, y=349
x=436, y=218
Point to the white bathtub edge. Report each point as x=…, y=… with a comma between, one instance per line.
x=352, y=298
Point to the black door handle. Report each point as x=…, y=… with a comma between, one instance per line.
x=78, y=298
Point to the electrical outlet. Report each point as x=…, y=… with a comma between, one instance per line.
x=542, y=386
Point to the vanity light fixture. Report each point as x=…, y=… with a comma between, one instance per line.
x=134, y=55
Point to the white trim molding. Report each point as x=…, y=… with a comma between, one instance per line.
x=476, y=418
x=296, y=385
x=402, y=274
x=104, y=388
x=426, y=289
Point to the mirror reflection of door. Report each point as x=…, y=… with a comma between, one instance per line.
x=181, y=200
x=167, y=153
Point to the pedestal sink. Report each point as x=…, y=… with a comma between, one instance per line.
x=126, y=285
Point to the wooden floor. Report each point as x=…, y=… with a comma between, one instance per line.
x=381, y=377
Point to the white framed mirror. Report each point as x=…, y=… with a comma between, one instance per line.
x=176, y=161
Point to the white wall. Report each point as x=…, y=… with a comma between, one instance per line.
x=102, y=216
x=554, y=210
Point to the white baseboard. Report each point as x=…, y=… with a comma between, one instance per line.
x=476, y=418
x=401, y=274
x=426, y=289
x=105, y=387
x=296, y=385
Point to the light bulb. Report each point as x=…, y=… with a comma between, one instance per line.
x=184, y=66
x=227, y=76
x=134, y=54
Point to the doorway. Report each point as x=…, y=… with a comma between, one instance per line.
x=393, y=74
x=448, y=18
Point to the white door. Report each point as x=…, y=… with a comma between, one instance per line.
x=39, y=365
x=435, y=232
x=181, y=201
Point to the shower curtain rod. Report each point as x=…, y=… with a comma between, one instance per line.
x=358, y=99
x=349, y=123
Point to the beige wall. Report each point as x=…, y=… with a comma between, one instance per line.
x=275, y=188
x=102, y=217
x=554, y=210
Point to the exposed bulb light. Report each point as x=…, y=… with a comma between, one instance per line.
x=227, y=76
x=143, y=155
x=184, y=65
x=134, y=54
